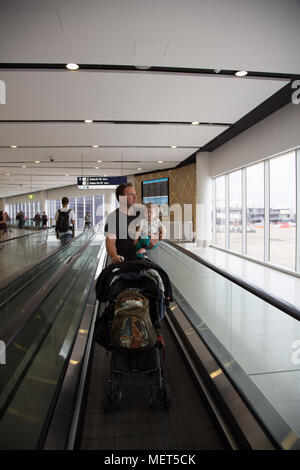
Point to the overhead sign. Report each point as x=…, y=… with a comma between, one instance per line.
x=99, y=182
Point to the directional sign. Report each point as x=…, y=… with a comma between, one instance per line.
x=98, y=182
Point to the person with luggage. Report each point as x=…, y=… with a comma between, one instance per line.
x=149, y=232
x=65, y=222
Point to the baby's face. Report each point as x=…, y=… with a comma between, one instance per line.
x=152, y=213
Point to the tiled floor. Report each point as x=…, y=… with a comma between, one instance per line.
x=262, y=339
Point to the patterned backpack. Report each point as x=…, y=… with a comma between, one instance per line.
x=131, y=326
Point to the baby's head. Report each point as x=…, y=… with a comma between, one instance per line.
x=153, y=211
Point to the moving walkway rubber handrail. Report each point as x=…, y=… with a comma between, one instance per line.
x=281, y=304
x=15, y=277
x=34, y=232
x=15, y=325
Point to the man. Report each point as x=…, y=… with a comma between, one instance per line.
x=65, y=222
x=119, y=230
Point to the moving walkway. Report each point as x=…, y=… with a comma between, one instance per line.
x=52, y=385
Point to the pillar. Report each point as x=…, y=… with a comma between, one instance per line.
x=203, y=199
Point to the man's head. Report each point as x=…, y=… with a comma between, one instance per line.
x=126, y=190
x=65, y=201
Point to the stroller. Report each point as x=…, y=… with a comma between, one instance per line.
x=137, y=349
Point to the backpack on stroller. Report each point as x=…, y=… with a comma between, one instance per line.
x=135, y=295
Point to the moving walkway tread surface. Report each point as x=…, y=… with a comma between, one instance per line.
x=186, y=425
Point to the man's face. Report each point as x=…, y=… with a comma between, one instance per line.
x=130, y=193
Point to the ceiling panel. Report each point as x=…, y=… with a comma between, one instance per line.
x=132, y=96
x=237, y=34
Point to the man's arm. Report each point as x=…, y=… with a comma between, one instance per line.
x=111, y=248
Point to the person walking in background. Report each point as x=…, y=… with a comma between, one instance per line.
x=37, y=218
x=21, y=219
x=3, y=225
x=44, y=220
x=8, y=222
x=65, y=222
x=87, y=221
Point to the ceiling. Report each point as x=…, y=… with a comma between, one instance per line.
x=147, y=70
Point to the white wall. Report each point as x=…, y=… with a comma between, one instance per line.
x=275, y=134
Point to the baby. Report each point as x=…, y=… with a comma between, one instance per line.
x=149, y=232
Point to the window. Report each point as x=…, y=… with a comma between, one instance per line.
x=98, y=201
x=80, y=215
x=283, y=210
x=259, y=194
x=255, y=211
x=220, y=211
x=235, y=211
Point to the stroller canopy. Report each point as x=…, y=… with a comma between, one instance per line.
x=132, y=271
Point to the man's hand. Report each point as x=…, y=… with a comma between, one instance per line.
x=117, y=259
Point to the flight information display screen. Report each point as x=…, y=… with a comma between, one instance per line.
x=156, y=191
x=96, y=182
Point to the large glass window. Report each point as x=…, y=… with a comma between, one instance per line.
x=80, y=215
x=235, y=211
x=255, y=211
x=98, y=201
x=220, y=211
x=283, y=210
x=260, y=194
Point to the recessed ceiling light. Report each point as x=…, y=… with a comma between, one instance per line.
x=195, y=123
x=24, y=166
x=99, y=161
x=7, y=174
x=139, y=169
x=143, y=67
x=104, y=175
x=95, y=146
x=88, y=121
x=160, y=161
x=37, y=161
x=13, y=146
x=96, y=168
x=67, y=174
x=173, y=146
x=241, y=73
x=72, y=66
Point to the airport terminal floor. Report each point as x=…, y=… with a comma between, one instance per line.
x=231, y=364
